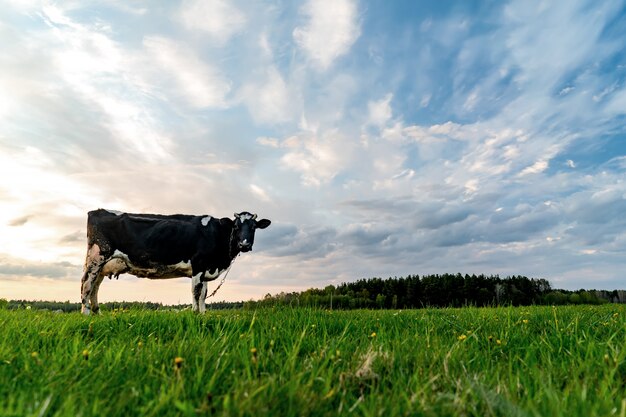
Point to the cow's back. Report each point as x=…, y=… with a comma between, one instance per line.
x=148, y=238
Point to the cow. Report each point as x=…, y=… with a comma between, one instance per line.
x=163, y=246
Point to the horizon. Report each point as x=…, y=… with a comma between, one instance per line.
x=221, y=303
x=381, y=139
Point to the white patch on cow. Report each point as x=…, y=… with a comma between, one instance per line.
x=120, y=263
x=195, y=280
x=117, y=213
x=245, y=242
x=114, y=267
x=93, y=252
x=245, y=217
x=182, y=266
x=205, y=220
x=211, y=276
x=202, y=299
x=119, y=254
x=93, y=262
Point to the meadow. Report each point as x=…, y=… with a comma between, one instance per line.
x=501, y=361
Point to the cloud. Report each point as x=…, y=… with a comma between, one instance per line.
x=617, y=103
x=13, y=267
x=318, y=158
x=534, y=45
x=303, y=243
x=259, y=192
x=265, y=141
x=201, y=83
x=219, y=19
x=19, y=221
x=72, y=238
x=330, y=31
x=380, y=111
x=269, y=100
x=535, y=168
x=82, y=72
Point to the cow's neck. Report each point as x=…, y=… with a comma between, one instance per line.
x=233, y=247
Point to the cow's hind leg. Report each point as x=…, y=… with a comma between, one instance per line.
x=91, y=279
x=198, y=293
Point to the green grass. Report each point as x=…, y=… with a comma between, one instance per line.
x=532, y=361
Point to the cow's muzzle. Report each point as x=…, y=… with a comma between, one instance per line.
x=245, y=247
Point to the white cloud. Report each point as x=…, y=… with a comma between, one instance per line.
x=471, y=101
x=617, y=103
x=217, y=18
x=537, y=42
x=81, y=63
x=259, y=192
x=380, y=111
x=438, y=132
x=331, y=30
x=201, y=83
x=47, y=199
x=318, y=159
x=265, y=141
x=269, y=100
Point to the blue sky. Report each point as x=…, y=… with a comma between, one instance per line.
x=381, y=138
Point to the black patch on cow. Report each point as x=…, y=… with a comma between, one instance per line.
x=197, y=291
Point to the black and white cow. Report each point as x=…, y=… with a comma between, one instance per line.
x=160, y=246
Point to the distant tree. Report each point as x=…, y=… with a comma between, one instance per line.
x=380, y=301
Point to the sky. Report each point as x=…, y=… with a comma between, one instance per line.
x=381, y=138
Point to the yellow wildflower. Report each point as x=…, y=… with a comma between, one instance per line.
x=178, y=362
x=34, y=355
x=329, y=394
x=86, y=354
x=525, y=321
x=462, y=337
x=373, y=335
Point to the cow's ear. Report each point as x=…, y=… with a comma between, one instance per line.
x=262, y=224
x=226, y=221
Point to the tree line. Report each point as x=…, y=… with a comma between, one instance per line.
x=413, y=291
x=446, y=290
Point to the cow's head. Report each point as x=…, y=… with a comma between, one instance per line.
x=244, y=226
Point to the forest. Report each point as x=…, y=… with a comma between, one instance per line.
x=413, y=291
x=446, y=290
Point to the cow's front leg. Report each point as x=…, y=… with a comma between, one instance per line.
x=89, y=282
x=198, y=293
x=93, y=299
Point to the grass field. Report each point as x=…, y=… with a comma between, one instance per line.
x=529, y=361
